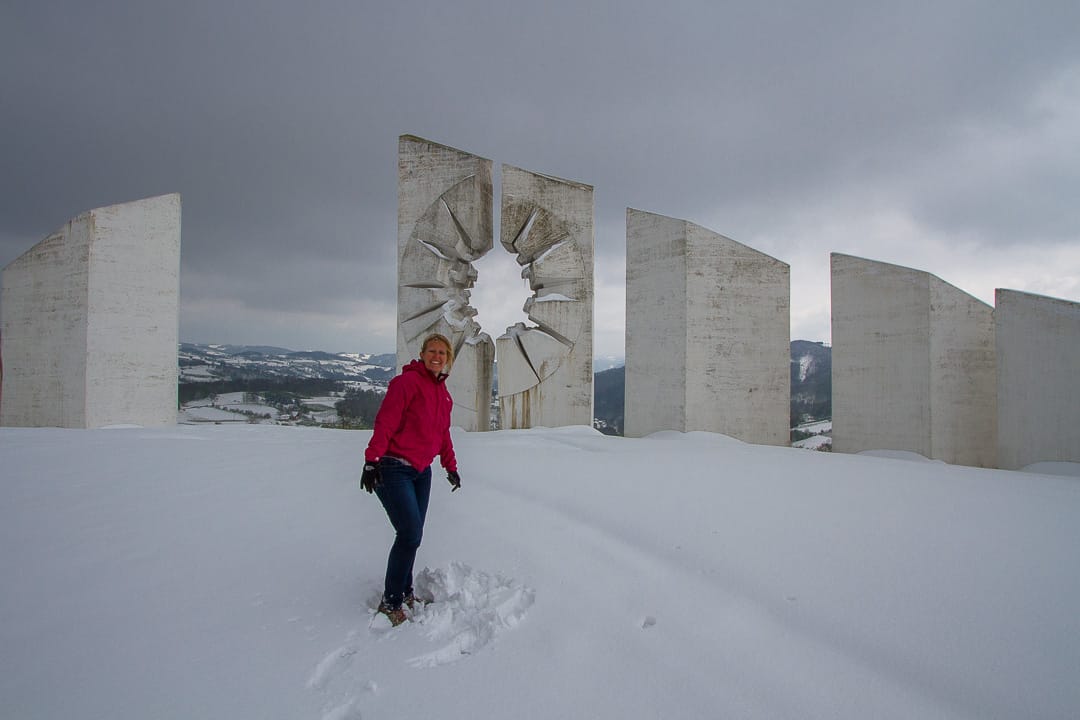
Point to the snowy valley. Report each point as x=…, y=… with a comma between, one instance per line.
x=211, y=377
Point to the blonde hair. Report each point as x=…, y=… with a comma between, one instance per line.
x=436, y=337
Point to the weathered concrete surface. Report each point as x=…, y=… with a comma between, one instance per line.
x=444, y=225
x=913, y=364
x=90, y=321
x=707, y=333
x=545, y=371
x=1038, y=393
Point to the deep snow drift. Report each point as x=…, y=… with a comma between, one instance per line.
x=230, y=572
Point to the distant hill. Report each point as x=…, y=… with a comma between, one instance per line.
x=811, y=375
x=811, y=381
x=608, y=392
x=216, y=363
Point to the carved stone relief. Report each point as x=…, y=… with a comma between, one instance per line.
x=547, y=224
x=444, y=226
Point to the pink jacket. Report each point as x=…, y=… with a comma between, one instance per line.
x=413, y=422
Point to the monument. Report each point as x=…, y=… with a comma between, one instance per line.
x=707, y=333
x=545, y=371
x=1038, y=392
x=444, y=226
x=913, y=364
x=89, y=318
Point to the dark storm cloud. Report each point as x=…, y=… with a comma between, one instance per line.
x=278, y=124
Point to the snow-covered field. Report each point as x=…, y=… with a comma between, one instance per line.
x=229, y=571
x=232, y=407
x=814, y=442
x=821, y=435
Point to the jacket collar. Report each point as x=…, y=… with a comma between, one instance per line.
x=419, y=367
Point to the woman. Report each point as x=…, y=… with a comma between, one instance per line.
x=411, y=428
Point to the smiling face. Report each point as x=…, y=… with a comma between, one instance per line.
x=435, y=356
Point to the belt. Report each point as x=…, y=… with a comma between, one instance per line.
x=403, y=461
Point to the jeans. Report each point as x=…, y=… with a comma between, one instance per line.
x=404, y=493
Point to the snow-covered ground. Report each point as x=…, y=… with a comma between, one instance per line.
x=814, y=442
x=233, y=407
x=817, y=426
x=227, y=407
x=821, y=435
x=323, y=409
x=230, y=571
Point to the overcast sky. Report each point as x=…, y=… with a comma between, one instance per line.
x=944, y=136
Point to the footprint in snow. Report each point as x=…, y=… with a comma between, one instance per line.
x=348, y=710
x=467, y=610
x=333, y=664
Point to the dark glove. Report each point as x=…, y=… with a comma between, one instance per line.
x=454, y=479
x=371, y=477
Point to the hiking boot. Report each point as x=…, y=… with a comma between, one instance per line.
x=395, y=615
x=412, y=601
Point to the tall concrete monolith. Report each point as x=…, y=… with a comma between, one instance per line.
x=444, y=225
x=545, y=370
x=1038, y=393
x=90, y=321
x=707, y=333
x=913, y=364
